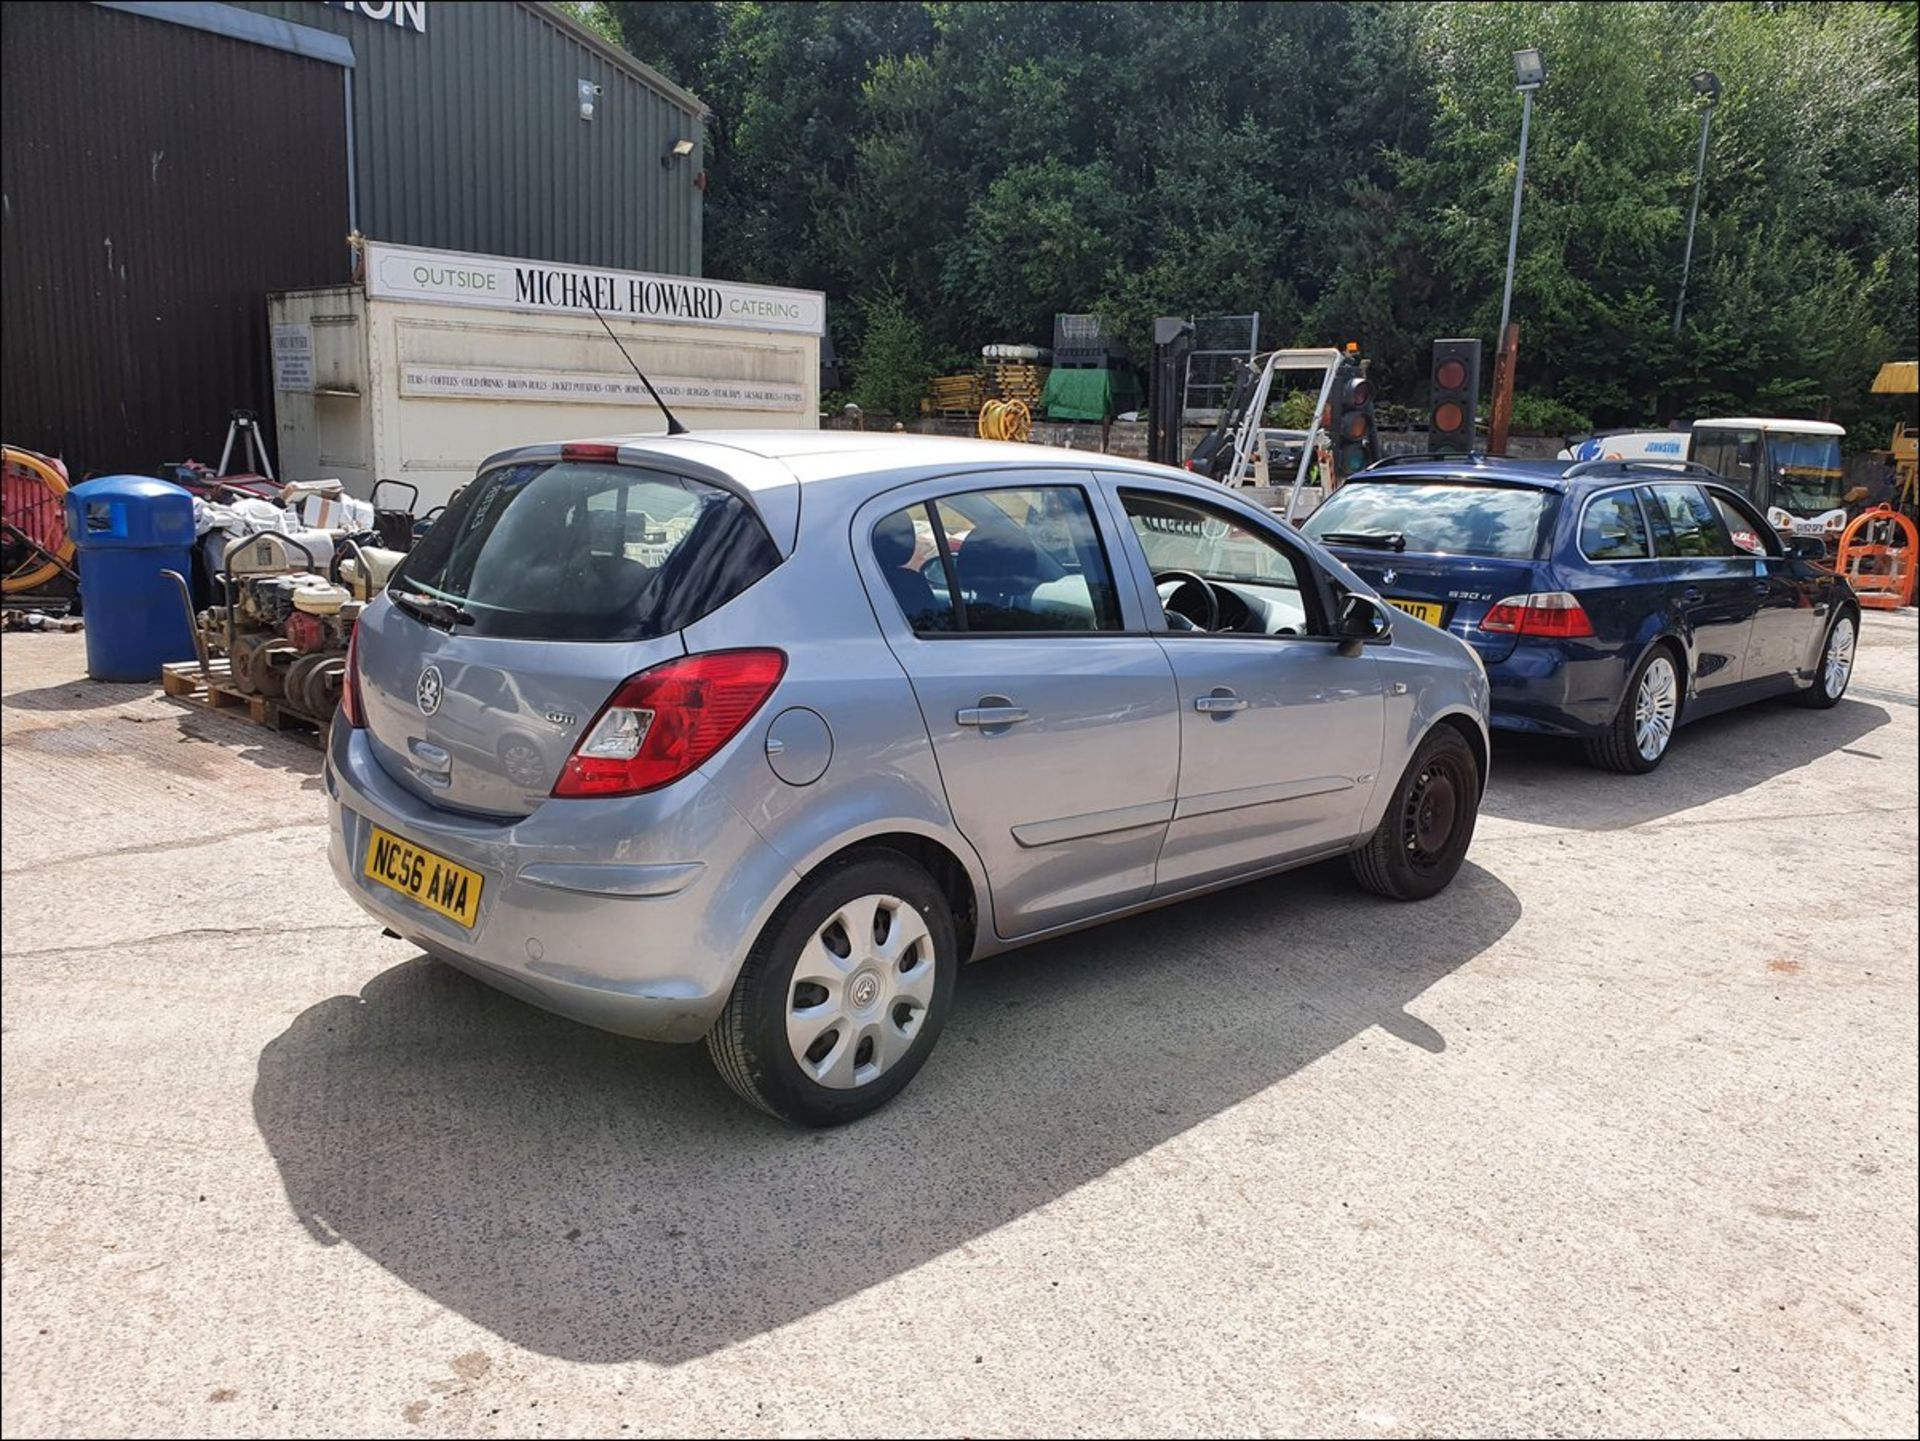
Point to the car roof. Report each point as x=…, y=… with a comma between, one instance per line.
x=773, y=467
x=1548, y=475
x=818, y=455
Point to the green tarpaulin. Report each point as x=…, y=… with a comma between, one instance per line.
x=1089, y=394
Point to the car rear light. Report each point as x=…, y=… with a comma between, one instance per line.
x=351, y=706
x=1554, y=614
x=667, y=721
x=606, y=453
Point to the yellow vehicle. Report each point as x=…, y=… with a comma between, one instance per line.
x=1902, y=377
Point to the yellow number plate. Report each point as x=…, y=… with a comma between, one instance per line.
x=419, y=875
x=1422, y=609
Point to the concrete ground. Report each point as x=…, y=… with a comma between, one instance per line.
x=1616, y=1136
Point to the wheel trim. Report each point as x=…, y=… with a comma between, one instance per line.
x=1431, y=812
x=1655, y=705
x=1839, y=669
x=860, y=992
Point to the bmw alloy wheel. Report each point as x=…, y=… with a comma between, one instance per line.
x=1655, y=705
x=860, y=991
x=1840, y=658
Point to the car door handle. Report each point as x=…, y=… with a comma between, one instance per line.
x=991, y=715
x=1760, y=587
x=1218, y=704
x=1692, y=595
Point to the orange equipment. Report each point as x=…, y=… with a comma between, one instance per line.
x=1880, y=572
x=37, y=546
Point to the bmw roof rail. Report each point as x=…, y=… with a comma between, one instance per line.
x=1471, y=457
x=1684, y=467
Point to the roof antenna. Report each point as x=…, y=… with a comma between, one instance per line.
x=674, y=427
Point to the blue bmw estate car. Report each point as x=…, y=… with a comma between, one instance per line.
x=1610, y=601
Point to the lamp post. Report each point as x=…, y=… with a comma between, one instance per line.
x=1529, y=74
x=1705, y=83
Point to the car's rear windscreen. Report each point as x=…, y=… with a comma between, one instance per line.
x=559, y=550
x=1434, y=517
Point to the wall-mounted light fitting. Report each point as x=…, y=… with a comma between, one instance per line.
x=678, y=149
x=589, y=93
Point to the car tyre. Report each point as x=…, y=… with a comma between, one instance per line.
x=1835, y=671
x=1421, y=841
x=843, y=995
x=1641, y=732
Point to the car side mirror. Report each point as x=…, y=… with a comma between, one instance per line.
x=1362, y=619
x=1805, y=547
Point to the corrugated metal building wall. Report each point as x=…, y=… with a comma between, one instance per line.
x=468, y=135
x=208, y=145
x=158, y=182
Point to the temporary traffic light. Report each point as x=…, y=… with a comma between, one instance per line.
x=1456, y=388
x=1355, y=443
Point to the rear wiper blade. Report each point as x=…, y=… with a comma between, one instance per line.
x=1385, y=540
x=432, y=609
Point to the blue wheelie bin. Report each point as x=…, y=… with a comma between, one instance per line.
x=130, y=531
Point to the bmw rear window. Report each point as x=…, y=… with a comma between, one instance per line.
x=1433, y=517
x=560, y=550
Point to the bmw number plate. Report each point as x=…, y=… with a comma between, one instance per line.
x=1420, y=609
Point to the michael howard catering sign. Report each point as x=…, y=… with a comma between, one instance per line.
x=446, y=277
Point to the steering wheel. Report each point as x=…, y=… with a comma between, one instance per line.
x=1189, y=580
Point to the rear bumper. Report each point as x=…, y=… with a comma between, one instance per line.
x=1560, y=688
x=647, y=946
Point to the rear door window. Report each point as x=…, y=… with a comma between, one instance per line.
x=558, y=550
x=1434, y=517
x=1025, y=559
x=1612, y=528
x=1686, y=523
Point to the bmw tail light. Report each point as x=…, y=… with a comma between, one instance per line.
x=352, y=708
x=1553, y=615
x=667, y=721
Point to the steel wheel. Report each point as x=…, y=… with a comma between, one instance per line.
x=1655, y=705
x=1840, y=658
x=860, y=992
x=1427, y=817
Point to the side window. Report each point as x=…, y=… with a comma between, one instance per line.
x=1691, y=525
x=1022, y=559
x=1734, y=453
x=1749, y=534
x=1612, y=528
x=1258, y=585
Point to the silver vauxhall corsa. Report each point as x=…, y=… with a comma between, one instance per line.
x=758, y=736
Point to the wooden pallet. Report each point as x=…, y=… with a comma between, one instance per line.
x=216, y=691
x=955, y=395
x=1016, y=380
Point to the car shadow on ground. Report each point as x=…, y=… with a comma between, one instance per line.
x=601, y=1199
x=1549, y=782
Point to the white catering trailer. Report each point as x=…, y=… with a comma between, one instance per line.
x=434, y=360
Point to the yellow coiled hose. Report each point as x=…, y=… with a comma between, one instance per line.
x=1005, y=420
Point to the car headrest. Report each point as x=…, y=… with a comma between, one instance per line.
x=998, y=553
x=894, y=540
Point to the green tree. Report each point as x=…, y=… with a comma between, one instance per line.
x=1344, y=169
